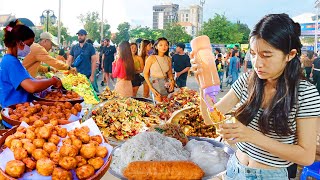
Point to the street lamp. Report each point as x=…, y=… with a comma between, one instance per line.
x=48, y=13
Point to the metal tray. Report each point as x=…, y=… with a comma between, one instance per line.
x=226, y=148
x=113, y=141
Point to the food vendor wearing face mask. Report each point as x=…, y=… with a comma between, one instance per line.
x=16, y=84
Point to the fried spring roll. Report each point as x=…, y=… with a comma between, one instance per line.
x=163, y=170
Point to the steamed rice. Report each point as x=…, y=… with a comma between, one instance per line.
x=148, y=146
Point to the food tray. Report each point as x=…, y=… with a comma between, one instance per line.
x=41, y=97
x=113, y=141
x=226, y=148
x=9, y=121
x=97, y=176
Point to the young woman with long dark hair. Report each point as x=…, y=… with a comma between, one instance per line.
x=138, y=66
x=158, y=67
x=123, y=70
x=277, y=118
x=145, y=47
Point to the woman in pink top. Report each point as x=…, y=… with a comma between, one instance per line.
x=123, y=70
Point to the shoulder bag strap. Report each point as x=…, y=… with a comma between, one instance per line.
x=160, y=66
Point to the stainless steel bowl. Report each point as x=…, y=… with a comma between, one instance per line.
x=226, y=148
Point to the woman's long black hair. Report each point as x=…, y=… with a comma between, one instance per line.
x=282, y=33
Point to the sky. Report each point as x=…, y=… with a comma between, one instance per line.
x=139, y=12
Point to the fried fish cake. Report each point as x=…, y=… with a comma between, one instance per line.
x=45, y=166
x=15, y=168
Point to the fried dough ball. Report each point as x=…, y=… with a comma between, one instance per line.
x=15, y=143
x=30, y=164
x=85, y=171
x=38, y=107
x=38, y=123
x=85, y=138
x=68, y=105
x=55, y=156
x=68, y=150
x=70, y=133
x=20, y=153
x=31, y=128
x=86, y=129
x=39, y=154
x=14, y=117
x=62, y=132
x=45, y=166
x=30, y=135
x=78, y=107
x=24, y=119
x=38, y=142
x=68, y=162
x=97, y=138
x=33, y=119
x=88, y=151
x=20, y=135
x=15, y=168
x=67, y=141
x=74, y=111
x=25, y=141
x=21, y=129
x=45, y=132
x=101, y=151
x=95, y=143
x=54, y=122
x=49, y=147
x=77, y=143
x=29, y=147
x=81, y=161
x=96, y=162
x=61, y=174
x=54, y=139
x=9, y=140
x=45, y=118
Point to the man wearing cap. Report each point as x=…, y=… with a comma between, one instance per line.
x=86, y=63
x=181, y=65
x=39, y=54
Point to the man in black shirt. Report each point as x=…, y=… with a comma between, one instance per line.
x=181, y=65
x=315, y=73
x=107, y=60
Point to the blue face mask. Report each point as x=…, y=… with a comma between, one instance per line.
x=23, y=53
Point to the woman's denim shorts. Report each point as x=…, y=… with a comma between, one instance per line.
x=238, y=171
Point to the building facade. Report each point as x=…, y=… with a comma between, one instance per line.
x=164, y=14
x=193, y=15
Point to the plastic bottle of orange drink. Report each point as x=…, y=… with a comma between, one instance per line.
x=208, y=77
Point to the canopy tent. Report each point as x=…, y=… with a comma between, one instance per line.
x=96, y=44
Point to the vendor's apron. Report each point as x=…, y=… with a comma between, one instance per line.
x=124, y=88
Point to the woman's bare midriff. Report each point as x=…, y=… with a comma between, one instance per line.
x=247, y=161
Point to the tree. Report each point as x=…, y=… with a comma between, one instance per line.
x=221, y=31
x=63, y=31
x=123, y=33
x=176, y=33
x=106, y=30
x=1, y=37
x=146, y=33
x=92, y=24
x=244, y=29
